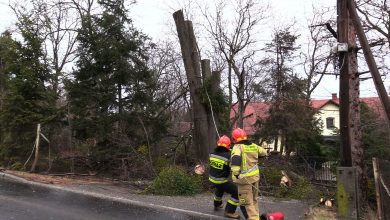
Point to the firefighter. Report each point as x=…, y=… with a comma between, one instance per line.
x=219, y=177
x=245, y=171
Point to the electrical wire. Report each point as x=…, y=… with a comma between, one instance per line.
x=342, y=64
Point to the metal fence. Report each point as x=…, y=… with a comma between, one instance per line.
x=320, y=169
x=326, y=171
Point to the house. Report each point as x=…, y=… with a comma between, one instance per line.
x=253, y=112
x=328, y=113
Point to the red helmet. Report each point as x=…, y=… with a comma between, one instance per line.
x=238, y=135
x=224, y=141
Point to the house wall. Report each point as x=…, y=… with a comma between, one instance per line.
x=329, y=110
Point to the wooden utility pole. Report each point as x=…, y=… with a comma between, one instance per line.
x=344, y=57
x=351, y=149
x=380, y=88
x=358, y=155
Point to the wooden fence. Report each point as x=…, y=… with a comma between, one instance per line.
x=382, y=185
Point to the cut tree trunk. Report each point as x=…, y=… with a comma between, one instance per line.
x=203, y=139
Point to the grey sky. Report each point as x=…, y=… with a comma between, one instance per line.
x=152, y=17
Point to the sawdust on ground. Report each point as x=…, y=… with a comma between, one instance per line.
x=321, y=213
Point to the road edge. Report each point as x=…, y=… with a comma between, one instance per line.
x=115, y=199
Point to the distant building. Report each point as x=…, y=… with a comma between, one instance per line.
x=328, y=113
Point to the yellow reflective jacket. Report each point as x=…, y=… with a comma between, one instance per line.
x=244, y=162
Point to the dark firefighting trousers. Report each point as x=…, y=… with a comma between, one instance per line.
x=232, y=202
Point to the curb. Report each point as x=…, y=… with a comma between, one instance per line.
x=110, y=198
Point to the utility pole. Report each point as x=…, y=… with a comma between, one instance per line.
x=353, y=169
x=344, y=67
x=357, y=155
x=380, y=88
x=350, y=130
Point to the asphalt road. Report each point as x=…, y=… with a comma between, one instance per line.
x=23, y=201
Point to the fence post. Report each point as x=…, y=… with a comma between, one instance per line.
x=377, y=189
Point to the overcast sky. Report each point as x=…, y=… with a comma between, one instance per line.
x=153, y=16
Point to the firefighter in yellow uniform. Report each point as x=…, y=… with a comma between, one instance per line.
x=245, y=171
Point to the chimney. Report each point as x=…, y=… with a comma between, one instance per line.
x=334, y=96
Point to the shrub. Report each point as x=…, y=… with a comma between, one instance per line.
x=17, y=166
x=174, y=181
x=160, y=163
x=271, y=176
x=301, y=189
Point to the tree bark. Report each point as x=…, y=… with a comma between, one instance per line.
x=240, y=97
x=192, y=66
x=357, y=150
x=213, y=79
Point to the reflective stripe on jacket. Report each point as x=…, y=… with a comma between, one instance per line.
x=219, y=165
x=244, y=159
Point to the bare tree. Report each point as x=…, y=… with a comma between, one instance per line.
x=234, y=38
x=57, y=25
x=61, y=25
x=165, y=60
x=317, y=57
x=376, y=18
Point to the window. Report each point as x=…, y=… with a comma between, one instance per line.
x=330, y=123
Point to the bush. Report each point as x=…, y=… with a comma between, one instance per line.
x=174, y=181
x=271, y=176
x=160, y=163
x=301, y=189
x=17, y=166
